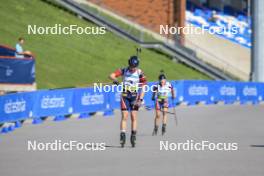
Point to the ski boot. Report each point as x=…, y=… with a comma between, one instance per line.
x=122, y=139
x=133, y=138
x=163, y=131
x=155, y=131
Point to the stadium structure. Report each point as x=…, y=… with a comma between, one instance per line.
x=53, y=122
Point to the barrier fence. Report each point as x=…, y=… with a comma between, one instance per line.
x=16, y=74
x=62, y=102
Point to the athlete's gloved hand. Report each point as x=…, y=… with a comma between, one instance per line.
x=115, y=82
x=153, y=98
x=138, y=103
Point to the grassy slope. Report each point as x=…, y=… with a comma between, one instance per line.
x=76, y=60
x=128, y=28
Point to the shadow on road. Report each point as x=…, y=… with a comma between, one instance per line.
x=117, y=146
x=113, y=146
x=257, y=146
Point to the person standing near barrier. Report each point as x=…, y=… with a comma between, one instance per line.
x=132, y=96
x=160, y=96
x=20, y=53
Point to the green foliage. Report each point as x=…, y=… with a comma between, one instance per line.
x=77, y=60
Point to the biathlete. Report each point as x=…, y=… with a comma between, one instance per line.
x=131, y=97
x=160, y=96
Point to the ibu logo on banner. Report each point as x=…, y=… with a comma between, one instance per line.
x=250, y=92
x=53, y=102
x=16, y=106
x=194, y=92
x=87, y=100
x=226, y=91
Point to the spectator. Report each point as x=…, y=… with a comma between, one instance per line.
x=213, y=17
x=20, y=53
x=2, y=92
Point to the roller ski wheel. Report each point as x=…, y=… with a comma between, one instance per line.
x=163, y=131
x=155, y=131
x=122, y=139
x=133, y=138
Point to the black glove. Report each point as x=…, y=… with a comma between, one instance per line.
x=153, y=98
x=115, y=82
x=138, y=102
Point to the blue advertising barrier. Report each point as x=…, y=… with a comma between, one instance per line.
x=86, y=100
x=60, y=102
x=16, y=106
x=7, y=51
x=193, y=92
x=113, y=97
x=250, y=92
x=17, y=71
x=53, y=102
x=226, y=91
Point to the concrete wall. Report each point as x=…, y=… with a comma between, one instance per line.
x=229, y=56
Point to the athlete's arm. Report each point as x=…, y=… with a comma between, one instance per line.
x=142, y=93
x=143, y=82
x=154, y=91
x=115, y=75
x=172, y=93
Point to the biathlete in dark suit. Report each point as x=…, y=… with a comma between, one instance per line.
x=133, y=81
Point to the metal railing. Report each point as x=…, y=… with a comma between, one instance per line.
x=180, y=52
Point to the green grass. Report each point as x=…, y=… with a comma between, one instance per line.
x=76, y=60
x=143, y=36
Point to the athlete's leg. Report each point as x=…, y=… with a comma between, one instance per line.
x=157, y=114
x=157, y=117
x=124, y=121
x=123, y=128
x=164, y=120
x=124, y=108
x=133, y=127
x=134, y=120
x=134, y=110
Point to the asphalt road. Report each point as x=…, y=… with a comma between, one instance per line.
x=243, y=125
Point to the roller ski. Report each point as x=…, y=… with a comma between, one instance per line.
x=133, y=139
x=163, y=130
x=122, y=139
x=155, y=131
